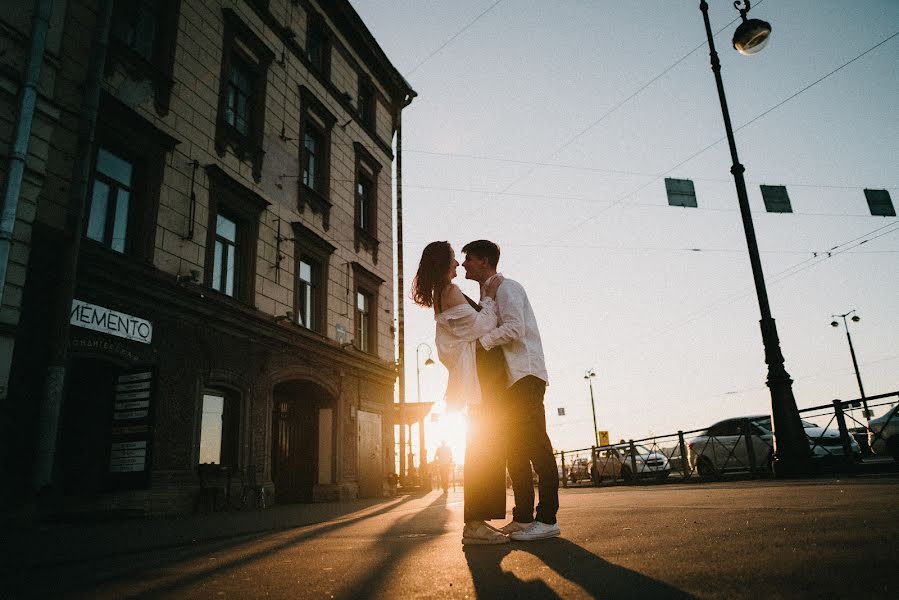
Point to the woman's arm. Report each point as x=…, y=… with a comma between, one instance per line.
x=467, y=324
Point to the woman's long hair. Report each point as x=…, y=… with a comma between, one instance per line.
x=433, y=273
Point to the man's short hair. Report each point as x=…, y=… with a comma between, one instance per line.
x=483, y=249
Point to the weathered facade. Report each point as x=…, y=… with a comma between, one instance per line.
x=233, y=305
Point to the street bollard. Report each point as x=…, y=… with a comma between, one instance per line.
x=750, y=449
x=844, y=435
x=564, y=478
x=633, y=462
x=684, y=458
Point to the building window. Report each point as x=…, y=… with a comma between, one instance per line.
x=313, y=254
x=308, y=291
x=142, y=40
x=239, y=96
x=363, y=321
x=129, y=160
x=219, y=428
x=366, y=102
x=366, y=201
x=108, y=214
x=316, y=123
x=241, y=121
x=364, y=205
x=365, y=295
x=134, y=23
x=313, y=147
x=318, y=45
x=225, y=255
x=233, y=232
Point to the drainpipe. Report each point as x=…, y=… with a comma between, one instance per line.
x=55, y=378
x=40, y=22
x=400, y=292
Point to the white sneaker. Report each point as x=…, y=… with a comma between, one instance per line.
x=513, y=526
x=537, y=531
x=483, y=535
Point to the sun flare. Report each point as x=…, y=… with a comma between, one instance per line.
x=451, y=428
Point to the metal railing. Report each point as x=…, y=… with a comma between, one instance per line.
x=838, y=441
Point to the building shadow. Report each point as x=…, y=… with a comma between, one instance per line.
x=598, y=577
x=415, y=530
x=141, y=564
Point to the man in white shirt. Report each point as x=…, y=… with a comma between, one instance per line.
x=526, y=379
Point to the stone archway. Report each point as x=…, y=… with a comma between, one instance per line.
x=303, y=438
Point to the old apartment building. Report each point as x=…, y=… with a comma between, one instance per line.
x=231, y=317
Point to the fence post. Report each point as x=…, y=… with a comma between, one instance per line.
x=684, y=458
x=844, y=434
x=633, y=461
x=750, y=449
x=564, y=475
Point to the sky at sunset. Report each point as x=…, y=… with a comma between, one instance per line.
x=549, y=127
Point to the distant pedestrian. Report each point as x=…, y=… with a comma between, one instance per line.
x=444, y=464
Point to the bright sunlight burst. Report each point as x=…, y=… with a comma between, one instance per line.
x=450, y=427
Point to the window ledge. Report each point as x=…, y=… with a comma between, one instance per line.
x=316, y=201
x=139, y=68
x=223, y=297
x=364, y=239
x=243, y=146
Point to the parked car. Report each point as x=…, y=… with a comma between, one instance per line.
x=614, y=462
x=721, y=447
x=883, y=434
x=579, y=470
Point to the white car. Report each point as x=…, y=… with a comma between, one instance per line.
x=613, y=462
x=722, y=446
x=883, y=434
x=579, y=469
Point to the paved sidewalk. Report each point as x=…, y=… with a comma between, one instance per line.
x=821, y=538
x=27, y=543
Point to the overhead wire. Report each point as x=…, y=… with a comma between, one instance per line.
x=617, y=172
x=695, y=154
x=777, y=277
x=450, y=40
x=617, y=106
x=634, y=204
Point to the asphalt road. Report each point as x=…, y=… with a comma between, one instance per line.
x=834, y=538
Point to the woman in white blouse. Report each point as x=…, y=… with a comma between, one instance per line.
x=460, y=322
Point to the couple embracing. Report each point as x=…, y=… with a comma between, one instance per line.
x=494, y=356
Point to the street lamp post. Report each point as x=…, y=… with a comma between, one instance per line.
x=589, y=377
x=422, y=459
x=858, y=377
x=792, y=454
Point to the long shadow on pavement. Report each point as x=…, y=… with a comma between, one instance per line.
x=425, y=522
x=598, y=577
x=29, y=582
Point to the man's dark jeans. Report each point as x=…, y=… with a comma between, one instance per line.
x=527, y=444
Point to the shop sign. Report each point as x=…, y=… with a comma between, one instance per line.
x=128, y=457
x=131, y=432
x=99, y=318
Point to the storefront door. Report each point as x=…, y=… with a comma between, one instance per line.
x=370, y=474
x=297, y=440
x=84, y=437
